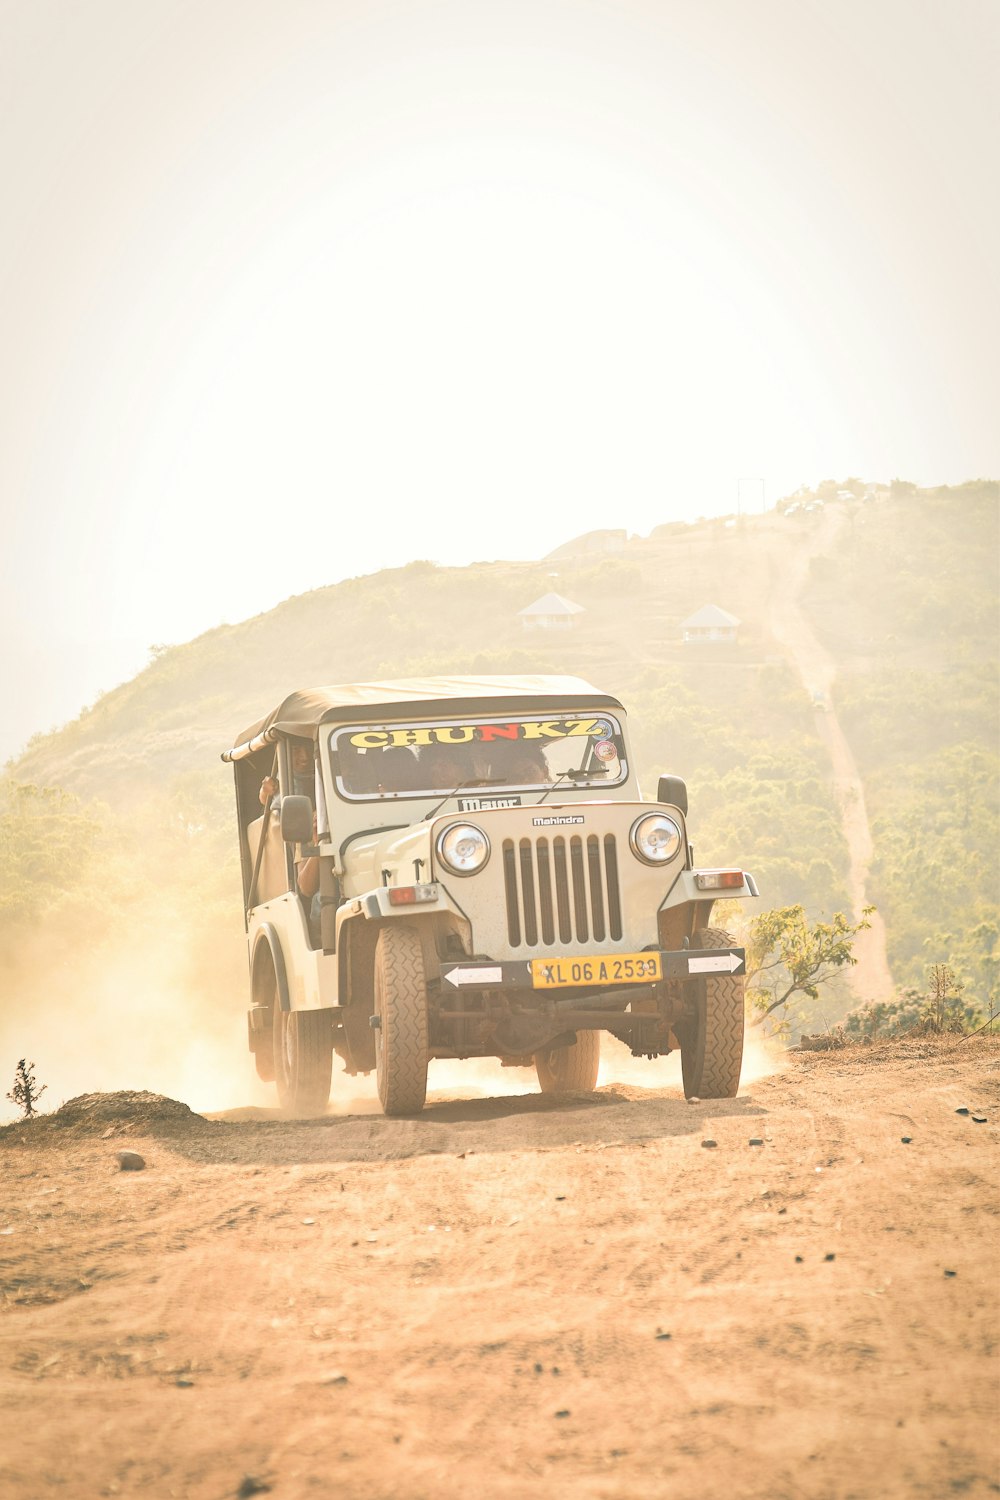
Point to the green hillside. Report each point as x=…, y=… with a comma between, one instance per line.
x=917, y=692
x=901, y=589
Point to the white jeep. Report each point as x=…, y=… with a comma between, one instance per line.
x=488, y=882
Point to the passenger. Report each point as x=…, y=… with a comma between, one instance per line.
x=303, y=775
x=359, y=769
x=396, y=770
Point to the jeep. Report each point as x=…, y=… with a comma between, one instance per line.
x=465, y=867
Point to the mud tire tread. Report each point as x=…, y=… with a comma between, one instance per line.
x=712, y=1041
x=303, y=1060
x=573, y=1069
x=401, y=1005
x=263, y=1062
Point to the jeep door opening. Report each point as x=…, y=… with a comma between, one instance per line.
x=464, y=867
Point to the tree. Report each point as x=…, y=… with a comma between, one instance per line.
x=786, y=955
x=26, y=1093
x=945, y=1009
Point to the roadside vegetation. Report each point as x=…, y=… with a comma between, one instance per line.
x=940, y=1009
x=26, y=1091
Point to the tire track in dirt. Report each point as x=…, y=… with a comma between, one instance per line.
x=871, y=977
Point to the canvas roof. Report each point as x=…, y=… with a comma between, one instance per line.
x=709, y=615
x=303, y=711
x=552, y=604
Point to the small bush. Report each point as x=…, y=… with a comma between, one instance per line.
x=26, y=1092
x=941, y=1008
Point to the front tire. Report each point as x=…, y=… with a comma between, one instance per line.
x=711, y=1033
x=303, y=1059
x=401, y=1008
x=573, y=1069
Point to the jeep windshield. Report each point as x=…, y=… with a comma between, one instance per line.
x=504, y=757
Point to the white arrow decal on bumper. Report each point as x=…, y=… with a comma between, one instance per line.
x=725, y=963
x=474, y=976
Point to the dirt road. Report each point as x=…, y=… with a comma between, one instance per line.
x=870, y=978
x=515, y=1296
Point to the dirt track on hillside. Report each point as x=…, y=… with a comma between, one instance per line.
x=515, y=1296
x=870, y=978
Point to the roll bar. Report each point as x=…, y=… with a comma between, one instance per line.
x=240, y=752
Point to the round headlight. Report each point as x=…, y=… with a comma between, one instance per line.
x=463, y=848
x=655, y=838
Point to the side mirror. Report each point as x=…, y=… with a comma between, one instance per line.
x=672, y=789
x=296, y=820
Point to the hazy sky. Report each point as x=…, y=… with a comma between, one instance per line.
x=293, y=291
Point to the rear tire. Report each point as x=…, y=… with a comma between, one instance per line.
x=711, y=1034
x=263, y=1058
x=573, y=1069
x=303, y=1059
x=401, y=1008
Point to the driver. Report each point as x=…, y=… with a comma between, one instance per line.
x=519, y=762
x=444, y=766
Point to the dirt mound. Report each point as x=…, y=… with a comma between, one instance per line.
x=124, y=1113
x=905, y=1049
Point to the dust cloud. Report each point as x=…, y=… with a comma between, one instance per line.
x=132, y=1018
x=486, y=1078
x=447, y=1078
x=127, y=1019
x=618, y=1066
x=762, y=1058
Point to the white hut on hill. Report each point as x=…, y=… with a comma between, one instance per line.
x=709, y=625
x=550, y=612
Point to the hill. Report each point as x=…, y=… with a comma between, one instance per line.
x=906, y=600
x=116, y=830
x=191, y=699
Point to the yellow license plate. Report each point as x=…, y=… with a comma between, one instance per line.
x=616, y=968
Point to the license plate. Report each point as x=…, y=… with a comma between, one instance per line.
x=617, y=968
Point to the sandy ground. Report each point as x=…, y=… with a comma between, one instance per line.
x=515, y=1296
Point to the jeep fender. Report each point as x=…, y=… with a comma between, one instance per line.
x=357, y=936
x=267, y=942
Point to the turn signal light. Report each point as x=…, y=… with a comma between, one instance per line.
x=718, y=880
x=410, y=895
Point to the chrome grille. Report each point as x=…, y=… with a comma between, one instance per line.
x=562, y=890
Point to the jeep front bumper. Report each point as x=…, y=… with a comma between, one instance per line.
x=591, y=971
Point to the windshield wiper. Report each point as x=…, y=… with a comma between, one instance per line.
x=572, y=776
x=462, y=786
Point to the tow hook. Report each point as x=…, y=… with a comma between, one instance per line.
x=375, y=1022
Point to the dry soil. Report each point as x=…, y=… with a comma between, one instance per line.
x=515, y=1297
